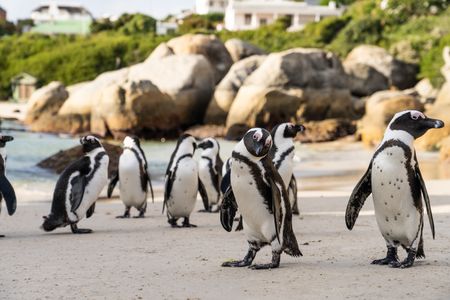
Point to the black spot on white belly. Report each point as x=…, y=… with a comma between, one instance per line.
x=387, y=219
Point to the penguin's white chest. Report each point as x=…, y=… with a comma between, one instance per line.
x=204, y=172
x=131, y=192
x=98, y=180
x=286, y=168
x=396, y=215
x=183, y=196
x=258, y=220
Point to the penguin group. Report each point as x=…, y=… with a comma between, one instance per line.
x=258, y=181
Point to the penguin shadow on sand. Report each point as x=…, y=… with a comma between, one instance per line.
x=133, y=178
x=396, y=183
x=6, y=189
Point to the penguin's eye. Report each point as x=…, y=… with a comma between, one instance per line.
x=415, y=117
x=255, y=136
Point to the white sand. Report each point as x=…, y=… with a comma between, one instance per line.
x=146, y=259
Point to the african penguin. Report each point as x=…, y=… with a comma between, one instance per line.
x=78, y=187
x=257, y=189
x=282, y=153
x=6, y=190
x=133, y=178
x=210, y=174
x=181, y=182
x=397, y=186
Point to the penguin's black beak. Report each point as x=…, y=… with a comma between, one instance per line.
x=6, y=138
x=434, y=123
x=261, y=149
x=299, y=128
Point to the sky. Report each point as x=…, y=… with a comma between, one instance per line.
x=21, y=9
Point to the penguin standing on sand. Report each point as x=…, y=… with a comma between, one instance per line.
x=396, y=183
x=78, y=187
x=210, y=174
x=282, y=153
x=181, y=182
x=257, y=189
x=6, y=189
x=133, y=178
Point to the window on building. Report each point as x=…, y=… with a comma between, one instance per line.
x=263, y=21
x=290, y=19
x=248, y=19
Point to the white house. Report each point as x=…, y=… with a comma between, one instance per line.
x=61, y=18
x=251, y=14
x=204, y=7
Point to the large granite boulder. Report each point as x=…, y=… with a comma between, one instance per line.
x=363, y=79
x=82, y=95
x=307, y=84
x=240, y=49
x=136, y=107
x=46, y=101
x=207, y=45
x=381, y=108
x=187, y=79
x=158, y=97
x=398, y=73
x=227, y=89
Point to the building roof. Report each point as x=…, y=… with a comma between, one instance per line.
x=24, y=78
x=69, y=8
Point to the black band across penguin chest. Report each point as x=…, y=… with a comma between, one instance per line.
x=256, y=173
x=142, y=168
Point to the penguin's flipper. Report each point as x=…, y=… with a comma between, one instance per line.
x=203, y=194
x=359, y=195
x=113, y=183
x=90, y=211
x=293, y=187
x=167, y=188
x=151, y=186
x=77, y=192
x=276, y=207
x=228, y=209
x=226, y=182
x=426, y=198
x=8, y=193
x=218, y=169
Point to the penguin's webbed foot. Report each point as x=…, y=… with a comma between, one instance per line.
x=186, y=223
x=126, y=214
x=407, y=263
x=237, y=263
x=273, y=265
x=141, y=215
x=77, y=230
x=173, y=223
x=391, y=258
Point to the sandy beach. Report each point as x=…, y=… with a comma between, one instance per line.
x=146, y=259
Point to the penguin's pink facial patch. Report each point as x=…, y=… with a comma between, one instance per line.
x=257, y=136
x=416, y=115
